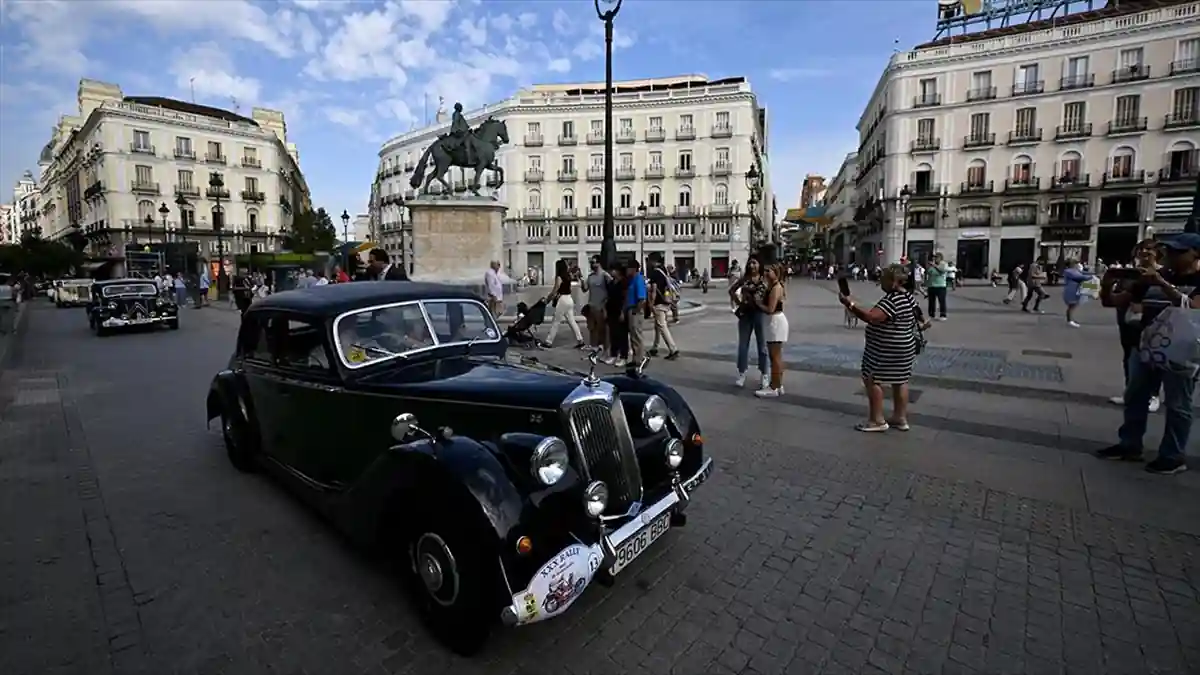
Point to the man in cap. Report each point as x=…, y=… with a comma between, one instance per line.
x=1176, y=284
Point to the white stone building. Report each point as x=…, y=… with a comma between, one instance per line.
x=682, y=147
x=841, y=201
x=7, y=224
x=1054, y=138
x=112, y=168
x=26, y=206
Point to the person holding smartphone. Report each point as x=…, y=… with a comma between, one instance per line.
x=1117, y=282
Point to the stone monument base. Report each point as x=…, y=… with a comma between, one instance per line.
x=454, y=240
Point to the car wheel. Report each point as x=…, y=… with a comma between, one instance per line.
x=173, y=324
x=239, y=444
x=452, y=574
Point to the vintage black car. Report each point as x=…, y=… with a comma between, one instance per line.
x=125, y=303
x=501, y=487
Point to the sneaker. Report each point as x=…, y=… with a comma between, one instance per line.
x=1155, y=404
x=1025, y=309
x=766, y=382
x=1121, y=453
x=620, y=363
x=1117, y=400
x=740, y=381
x=581, y=345
x=1073, y=324
x=653, y=351
x=672, y=356
x=941, y=318
x=1167, y=466
x=768, y=393
x=609, y=361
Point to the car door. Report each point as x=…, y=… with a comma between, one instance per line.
x=255, y=349
x=310, y=391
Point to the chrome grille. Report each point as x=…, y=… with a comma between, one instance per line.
x=598, y=428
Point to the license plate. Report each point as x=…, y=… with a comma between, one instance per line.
x=638, y=543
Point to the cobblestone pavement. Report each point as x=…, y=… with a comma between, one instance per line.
x=130, y=546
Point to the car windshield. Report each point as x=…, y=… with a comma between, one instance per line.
x=117, y=290
x=378, y=334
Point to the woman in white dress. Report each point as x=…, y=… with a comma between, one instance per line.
x=775, y=327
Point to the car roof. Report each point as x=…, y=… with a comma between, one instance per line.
x=333, y=299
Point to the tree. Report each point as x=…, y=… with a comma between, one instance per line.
x=311, y=231
x=39, y=257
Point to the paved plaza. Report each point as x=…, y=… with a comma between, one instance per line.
x=986, y=540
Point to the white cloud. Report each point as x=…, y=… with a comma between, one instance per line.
x=792, y=74
x=208, y=69
x=362, y=48
x=559, y=66
x=474, y=31
x=527, y=20
x=562, y=22
x=592, y=46
x=431, y=14
x=53, y=40
x=503, y=23
x=232, y=18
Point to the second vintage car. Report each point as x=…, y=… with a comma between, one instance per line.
x=126, y=303
x=501, y=488
x=70, y=292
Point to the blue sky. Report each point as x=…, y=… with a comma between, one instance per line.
x=348, y=75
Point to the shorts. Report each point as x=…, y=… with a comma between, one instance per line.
x=776, y=328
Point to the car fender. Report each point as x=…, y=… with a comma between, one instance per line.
x=222, y=394
x=639, y=388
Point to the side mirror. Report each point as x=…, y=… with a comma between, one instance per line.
x=403, y=425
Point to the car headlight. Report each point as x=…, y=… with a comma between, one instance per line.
x=654, y=414
x=112, y=306
x=595, y=498
x=159, y=302
x=550, y=460
x=674, y=453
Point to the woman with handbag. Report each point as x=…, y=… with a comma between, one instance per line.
x=775, y=330
x=564, y=305
x=745, y=296
x=894, y=337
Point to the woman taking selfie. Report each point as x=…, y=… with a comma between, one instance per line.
x=745, y=295
x=774, y=329
x=893, y=338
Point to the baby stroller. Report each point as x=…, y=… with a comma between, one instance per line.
x=521, y=332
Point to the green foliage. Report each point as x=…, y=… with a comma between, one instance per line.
x=311, y=231
x=38, y=257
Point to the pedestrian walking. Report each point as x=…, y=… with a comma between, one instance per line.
x=1146, y=255
x=937, y=276
x=745, y=295
x=494, y=287
x=564, y=304
x=596, y=285
x=202, y=284
x=659, y=289
x=775, y=326
x=1073, y=278
x=894, y=336
x=1176, y=284
x=1035, y=279
x=1016, y=287
x=636, y=309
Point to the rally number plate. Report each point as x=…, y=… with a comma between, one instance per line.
x=638, y=543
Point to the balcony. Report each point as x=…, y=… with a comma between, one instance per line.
x=595, y=173
x=254, y=196
x=977, y=188
x=1125, y=178
x=1071, y=181
x=722, y=169
x=534, y=175
x=94, y=190
x=927, y=100
x=623, y=212
x=595, y=212
x=217, y=193
x=1021, y=136
x=568, y=140
x=925, y=145
x=722, y=130
x=1181, y=120
x=720, y=209
x=1178, y=174
x=626, y=136
x=185, y=153
x=214, y=158
x=1082, y=81
x=534, y=140
x=144, y=187
x=140, y=149
x=685, y=134
x=1073, y=131
x=251, y=163
x=1131, y=125
x=1025, y=184
x=568, y=176
x=535, y=212
x=626, y=173
x=982, y=140
x=566, y=213
x=926, y=190
x=655, y=135
x=1028, y=88
x=981, y=94
x=187, y=191
x=1131, y=74
x=684, y=211
x=595, y=138
x=653, y=171
x=924, y=220
x=685, y=172
x=1185, y=66
x=655, y=212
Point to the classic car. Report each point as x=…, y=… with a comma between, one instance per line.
x=126, y=303
x=500, y=487
x=70, y=292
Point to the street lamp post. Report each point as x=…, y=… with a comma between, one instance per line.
x=905, y=195
x=149, y=221
x=754, y=185
x=216, y=187
x=345, y=239
x=608, y=246
x=641, y=209
x=182, y=203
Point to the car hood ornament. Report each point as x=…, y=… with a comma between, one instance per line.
x=593, y=358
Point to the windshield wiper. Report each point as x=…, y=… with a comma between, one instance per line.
x=377, y=350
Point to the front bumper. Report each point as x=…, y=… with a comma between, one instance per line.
x=114, y=322
x=558, y=583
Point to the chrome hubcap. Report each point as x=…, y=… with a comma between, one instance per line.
x=435, y=565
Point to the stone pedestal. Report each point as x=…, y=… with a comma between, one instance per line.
x=455, y=240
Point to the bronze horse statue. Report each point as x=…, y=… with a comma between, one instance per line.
x=448, y=152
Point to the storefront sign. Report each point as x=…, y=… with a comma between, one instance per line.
x=973, y=234
x=1067, y=233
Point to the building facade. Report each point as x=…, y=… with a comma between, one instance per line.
x=1069, y=138
x=841, y=200
x=7, y=224
x=682, y=148
x=813, y=190
x=26, y=207
x=155, y=172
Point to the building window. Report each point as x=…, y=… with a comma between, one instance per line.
x=1077, y=68
x=928, y=88
x=1128, y=107
x=597, y=199
x=534, y=128
x=685, y=122
x=535, y=162
x=568, y=164
x=214, y=150
x=1068, y=167
x=1074, y=115
x=183, y=146
x=654, y=197
x=252, y=220
x=626, y=199
x=568, y=200
x=1026, y=122
x=721, y=194
x=568, y=129
x=723, y=120
x=535, y=199
x=145, y=209
x=925, y=129
x=143, y=174
x=597, y=162
x=626, y=160
x=656, y=160
x=1022, y=170
x=976, y=174
x=979, y=124
x=1027, y=76
x=656, y=123
x=685, y=196
x=626, y=124
x=251, y=184
x=597, y=126
x=250, y=154
x=1122, y=163
x=185, y=180
x=141, y=141
x=685, y=160
x=722, y=156
x=1185, y=104
x=1130, y=59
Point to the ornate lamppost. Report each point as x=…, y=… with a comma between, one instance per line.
x=149, y=221
x=754, y=185
x=182, y=203
x=345, y=239
x=216, y=190
x=905, y=195
x=608, y=245
x=641, y=210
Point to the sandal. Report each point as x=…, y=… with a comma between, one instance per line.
x=899, y=425
x=871, y=427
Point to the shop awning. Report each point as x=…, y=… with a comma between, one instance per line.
x=813, y=215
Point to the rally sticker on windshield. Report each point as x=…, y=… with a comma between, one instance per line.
x=356, y=355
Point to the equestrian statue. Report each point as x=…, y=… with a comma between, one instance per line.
x=463, y=147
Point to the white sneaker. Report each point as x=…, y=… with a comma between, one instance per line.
x=765, y=382
x=1154, y=404
x=768, y=392
x=1117, y=400
x=620, y=363
x=1073, y=324
x=740, y=381
x=608, y=360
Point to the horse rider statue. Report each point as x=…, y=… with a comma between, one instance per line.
x=461, y=132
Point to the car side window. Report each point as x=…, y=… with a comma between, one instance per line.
x=456, y=321
x=252, y=339
x=301, y=345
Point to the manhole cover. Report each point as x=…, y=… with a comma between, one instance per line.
x=1046, y=352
